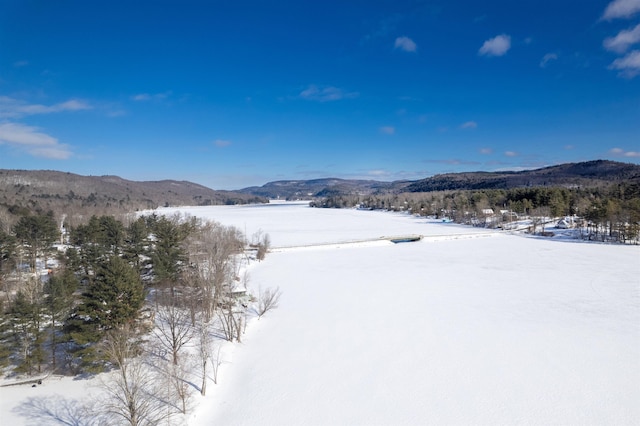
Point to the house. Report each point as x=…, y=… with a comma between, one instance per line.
x=565, y=223
x=488, y=212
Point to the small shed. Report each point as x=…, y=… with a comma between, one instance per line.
x=564, y=223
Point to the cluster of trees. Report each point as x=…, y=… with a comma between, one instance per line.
x=608, y=213
x=121, y=293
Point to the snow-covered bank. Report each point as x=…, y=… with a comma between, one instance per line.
x=497, y=329
x=502, y=330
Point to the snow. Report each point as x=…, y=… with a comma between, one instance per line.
x=295, y=224
x=465, y=326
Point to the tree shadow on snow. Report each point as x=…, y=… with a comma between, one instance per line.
x=56, y=410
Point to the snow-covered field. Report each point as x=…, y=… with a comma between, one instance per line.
x=463, y=327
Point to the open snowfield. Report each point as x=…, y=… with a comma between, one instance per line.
x=463, y=327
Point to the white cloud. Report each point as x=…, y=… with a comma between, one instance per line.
x=220, y=143
x=454, y=162
x=497, y=46
x=546, y=58
x=469, y=125
x=378, y=173
x=628, y=65
x=619, y=152
x=621, y=9
x=621, y=42
x=14, y=108
x=142, y=97
x=325, y=94
x=486, y=151
x=60, y=152
x=406, y=44
x=117, y=113
x=387, y=130
x=511, y=153
x=29, y=139
x=19, y=64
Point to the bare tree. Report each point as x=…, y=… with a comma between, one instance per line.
x=229, y=320
x=208, y=352
x=539, y=217
x=268, y=300
x=216, y=361
x=214, y=266
x=261, y=242
x=131, y=392
x=180, y=389
x=204, y=354
x=174, y=327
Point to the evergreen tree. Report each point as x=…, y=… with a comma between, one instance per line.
x=36, y=234
x=112, y=299
x=7, y=259
x=115, y=296
x=110, y=233
x=169, y=255
x=58, y=303
x=135, y=242
x=94, y=243
x=25, y=316
x=6, y=341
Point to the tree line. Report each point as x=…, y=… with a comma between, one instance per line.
x=609, y=213
x=106, y=293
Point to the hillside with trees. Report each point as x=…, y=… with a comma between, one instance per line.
x=306, y=189
x=122, y=296
x=603, y=197
x=598, y=173
x=587, y=174
x=610, y=213
x=75, y=196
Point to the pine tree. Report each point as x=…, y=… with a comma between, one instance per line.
x=58, y=303
x=25, y=317
x=135, y=242
x=96, y=241
x=36, y=234
x=112, y=299
x=169, y=255
x=115, y=296
x=7, y=259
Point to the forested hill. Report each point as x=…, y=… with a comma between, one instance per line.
x=304, y=189
x=23, y=191
x=586, y=174
x=44, y=190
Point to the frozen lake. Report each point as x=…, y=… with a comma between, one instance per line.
x=497, y=330
x=463, y=327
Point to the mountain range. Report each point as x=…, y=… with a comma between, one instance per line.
x=584, y=174
x=43, y=190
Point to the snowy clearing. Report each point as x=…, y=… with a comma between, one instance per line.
x=449, y=330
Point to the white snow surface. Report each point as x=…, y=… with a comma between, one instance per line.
x=463, y=327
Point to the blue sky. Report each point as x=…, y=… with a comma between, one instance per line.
x=231, y=94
